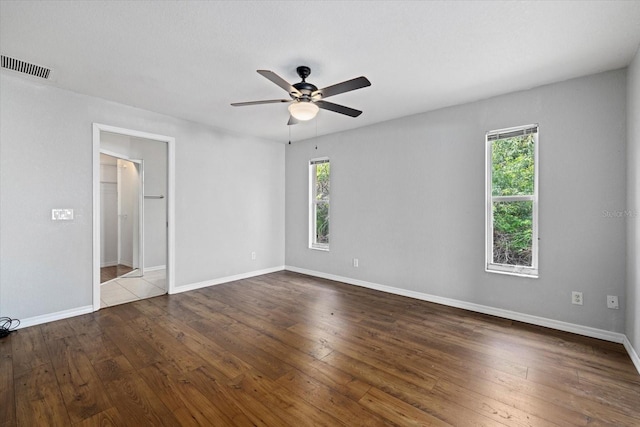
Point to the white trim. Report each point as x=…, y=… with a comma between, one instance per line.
x=312, y=220
x=96, y=216
x=108, y=264
x=632, y=353
x=140, y=263
x=171, y=187
x=131, y=132
x=52, y=317
x=171, y=214
x=512, y=270
x=221, y=280
x=115, y=154
x=507, y=314
x=118, y=212
x=155, y=268
x=498, y=312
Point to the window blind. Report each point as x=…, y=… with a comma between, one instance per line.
x=512, y=133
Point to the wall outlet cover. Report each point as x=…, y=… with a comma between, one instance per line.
x=576, y=298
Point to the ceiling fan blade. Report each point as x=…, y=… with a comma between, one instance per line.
x=279, y=81
x=338, y=108
x=349, y=85
x=292, y=121
x=268, y=101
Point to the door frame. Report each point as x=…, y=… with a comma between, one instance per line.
x=170, y=141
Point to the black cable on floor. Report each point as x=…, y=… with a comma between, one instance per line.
x=7, y=326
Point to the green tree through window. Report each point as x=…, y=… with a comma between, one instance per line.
x=320, y=174
x=512, y=175
x=322, y=195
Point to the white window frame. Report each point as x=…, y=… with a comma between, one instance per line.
x=313, y=204
x=490, y=266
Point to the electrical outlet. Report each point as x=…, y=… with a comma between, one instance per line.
x=612, y=302
x=253, y=255
x=355, y=262
x=576, y=298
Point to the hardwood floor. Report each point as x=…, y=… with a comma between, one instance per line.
x=113, y=272
x=286, y=349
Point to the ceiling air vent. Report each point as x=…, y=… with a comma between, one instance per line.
x=25, y=67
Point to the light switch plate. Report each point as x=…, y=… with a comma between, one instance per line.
x=62, y=214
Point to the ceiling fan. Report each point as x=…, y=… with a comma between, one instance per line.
x=306, y=98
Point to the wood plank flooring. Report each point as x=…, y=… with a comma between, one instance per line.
x=113, y=272
x=286, y=349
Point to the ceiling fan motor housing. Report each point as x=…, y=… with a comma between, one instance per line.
x=305, y=88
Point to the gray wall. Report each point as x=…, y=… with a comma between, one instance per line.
x=633, y=204
x=229, y=197
x=408, y=201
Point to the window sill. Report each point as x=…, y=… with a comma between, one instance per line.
x=320, y=248
x=530, y=274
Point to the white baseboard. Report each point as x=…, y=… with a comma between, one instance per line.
x=108, y=264
x=45, y=318
x=213, y=282
x=51, y=317
x=157, y=267
x=507, y=314
x=632, y=353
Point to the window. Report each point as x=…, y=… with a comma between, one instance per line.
x=512, y=201
x=319, y=195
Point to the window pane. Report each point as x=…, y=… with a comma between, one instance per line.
x=322, y=223
x=322, y=181
x=512, y=233
x=512, y=172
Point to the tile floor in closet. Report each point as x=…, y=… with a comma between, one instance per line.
x=127, y=289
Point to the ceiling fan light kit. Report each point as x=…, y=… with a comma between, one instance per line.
x=306, y=98
x=303, y=110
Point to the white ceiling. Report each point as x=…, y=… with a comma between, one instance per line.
x=192, y=59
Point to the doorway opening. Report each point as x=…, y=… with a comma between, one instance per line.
x=122, y=217
x=133, y=251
